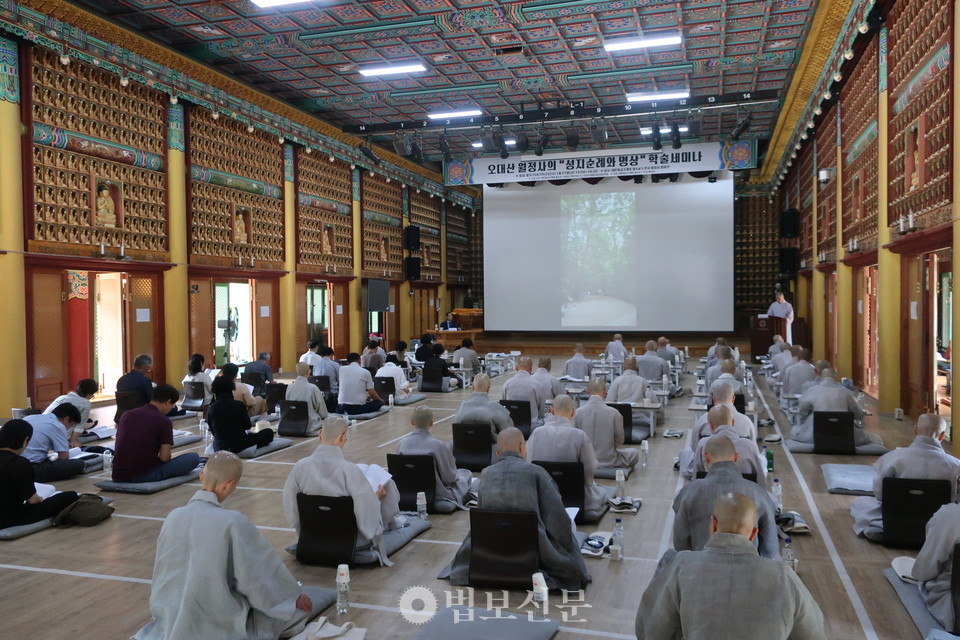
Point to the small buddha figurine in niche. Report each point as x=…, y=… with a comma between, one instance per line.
x=384, y=249
x=106, y=209
x=914, y=151
x=327, y=240
x=240, y=228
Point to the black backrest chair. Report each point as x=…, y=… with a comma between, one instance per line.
x=275, y=392
x=833, y=433
x=472, y=446
x=520, y=414
x=328, y=530
x=126, y=400
x=385, y=387
x=322, y=382
x=569, y=479
x=504, y=548
x=752, y=477
x=193, y=396
x=431, y=379
x=907, y=506
x=294, y=418
x=255, y=380
x=627, y=412
x=413, y=474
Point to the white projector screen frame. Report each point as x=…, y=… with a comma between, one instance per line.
x=658, y=257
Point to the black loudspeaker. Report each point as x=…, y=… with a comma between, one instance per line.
x=411, y=268
x=411, y=238
x=789, y=260
x=790, y=224
x=378, y=295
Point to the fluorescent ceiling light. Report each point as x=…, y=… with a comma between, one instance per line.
x=625, y=44
x=645, y=131
x=653, y=96
x=387, y=70
x=264, y=4
x=454, y=114
x=509, y=142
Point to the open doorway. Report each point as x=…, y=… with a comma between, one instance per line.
x=943, y=332
x=233, y=314
x=108, y=357
x=317, y=313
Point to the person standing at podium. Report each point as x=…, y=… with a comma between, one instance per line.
x=783, y=309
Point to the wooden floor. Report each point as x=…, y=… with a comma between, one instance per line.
x=94, y=582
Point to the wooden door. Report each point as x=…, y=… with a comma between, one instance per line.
x=860, y=315
x=873, y=340
x=339, y=302
x=830, y=306
x=265, y=326
x=392, y=324
x=202, y=325
x=424, y=310
x=48, y=352
x=301, y=307
x=916, y=356
x=144, y=324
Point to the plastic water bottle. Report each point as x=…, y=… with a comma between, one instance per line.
x=422, y=505
x=461, y=364
x=768, y=454
x=645, y=452
x=616, y=541
x=205, y=430
x=861, y=398
x=343, y=589
x=108, y=460
x=778, y=495
x=390, y=400
x=620, y=481
x=540, y=590
x=789, y=558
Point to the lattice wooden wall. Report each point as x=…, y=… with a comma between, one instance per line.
x=458, y=246
x=859, y=133
x=325, y=235
x=225, y=145
x=756, y=240
x=476, y=254
x=382, y=232
x=84, y=100
x=920, y=111
x=827, y=195
x=425, y=213
x=802, y=197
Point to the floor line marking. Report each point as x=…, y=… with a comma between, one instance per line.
x=436, y=542
x=154, y=518
x=197, y=484
x=865, y=624
x=77, y=574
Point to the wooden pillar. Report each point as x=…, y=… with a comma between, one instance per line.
x=288, y=281
x=844, y=302
x=404, y=299
x=818, y=290
x=443, y=303
x=354, y=307
x=176, y=297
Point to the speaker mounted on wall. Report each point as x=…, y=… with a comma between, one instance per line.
x=790, y=223
x=411, y=238
x=789, y=260
x=411, y=268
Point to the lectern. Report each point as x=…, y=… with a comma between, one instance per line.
x=762, y=330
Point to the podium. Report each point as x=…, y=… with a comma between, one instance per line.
x=762, y=331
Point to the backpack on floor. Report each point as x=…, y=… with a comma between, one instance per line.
x=87, y=511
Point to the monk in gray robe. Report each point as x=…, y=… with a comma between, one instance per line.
x=305, y=391
x=924, y=459
x=726, y=591
x=559, y=441
x=665, y=351
x=452, y=484
x=798, y=374
x=782, y=359
x=628, y=386
x=724, y=354
x=652, y=368
x=749, y=459
x=829, y=395
x=722, y=394
x=480, y=409
x=694, y=502
x=577, y=367
x=513, y=484
x=215, y=575
x=325, y=472
x=774, y=348
x=934, y=565
x=552, y=387
x=615, y=351
x=522, y=386
x=604, y=427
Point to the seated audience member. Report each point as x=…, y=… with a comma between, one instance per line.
x=795, y=350
x=551, y=386
x=80, y=398
x=373, y=356
x=722, y=395
x=782, y=359
x=628, y=386
x=748, y=455
x=19, y=502
x=652, y=368
x=728, y=375
x=261, y=365
x=229, y=422
x=924, y=459
x=829, y=395
x=522, y=386
x=326, y=472
x=513, y=484
x=480, y=409
x=604, y=427
x=693, y=504
x=227, y=586
x=255, y=405
x=615, y=351
x=356, y=393
x=775, y=347
x=303, y=390
x=452, y=483
x=799, y=373
x=721, y=341
x=425, y=350
x=713, y=593
x=934, y=565
x=449, y=324
x=330, y=368
x=391, y=369
x=436, y=363
x=195, y=373
x=665, y=351
x=559, y=441
x=467, y=355
x=137, y=380
x=401, y=352
x=51, y=433
x=312, y=357
x=724, y=354
x=577, y=367
x=142, y=452
x=818, y=368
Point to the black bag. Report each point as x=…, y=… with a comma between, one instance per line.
x=87, y=511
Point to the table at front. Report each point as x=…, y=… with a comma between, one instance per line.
x=452, y=339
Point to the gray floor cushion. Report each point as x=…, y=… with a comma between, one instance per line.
x=611, y=474
x=364, y=416
x=186, y=416
x=863, y=450
x=909, y=595
x=850, y=479
x=100, y=433
x=272, y=417
x=183, y=440
x=445, y=506
x=146, y=487
x=466, y=624
x=256, y=452
x=410, y=399
x=940, y=634
x=639, y=434
x=12, y=533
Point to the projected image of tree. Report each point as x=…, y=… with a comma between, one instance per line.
x=598, y=244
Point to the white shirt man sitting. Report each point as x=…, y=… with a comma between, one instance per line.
x=452, y=484
x=466, y=354
x=392, y=369
x=480, y=409
x=604, y=426
x=312, y=357
x=522, y=386
x=924, y=459
x=749, y=459
x=615, y=351
x=552, y=387
x=356, y=393
x=303, y=390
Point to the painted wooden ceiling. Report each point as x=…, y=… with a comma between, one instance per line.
x=503, y=57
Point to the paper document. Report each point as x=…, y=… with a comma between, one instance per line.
x=44, y=490
x=903, y=565
x=376, y=475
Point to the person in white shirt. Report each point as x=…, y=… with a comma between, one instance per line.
x=391, y=369
x=303, y=390
x=311, y=357
x=80, y=398
x=195, y=373
x=356, y=393
x=783, y=309
x=615, y=351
